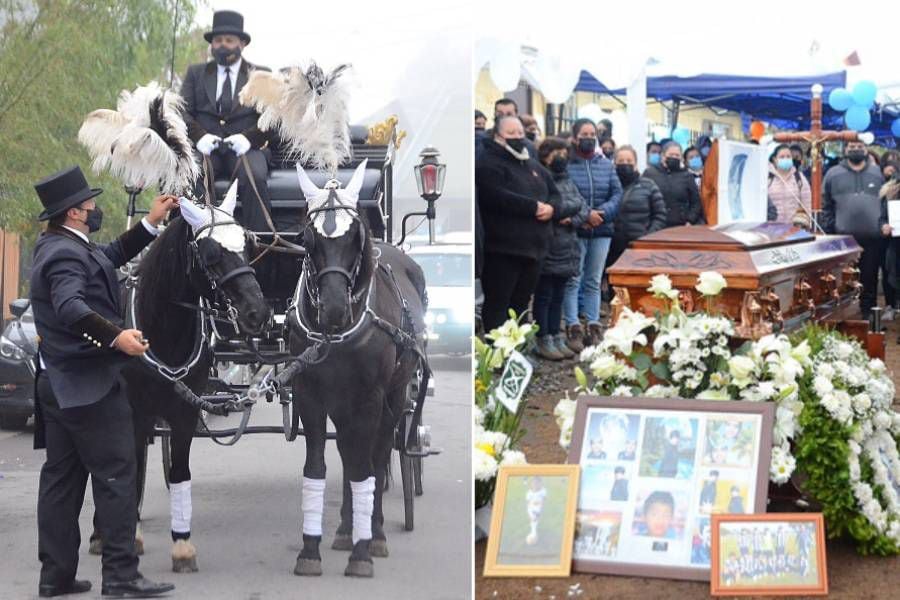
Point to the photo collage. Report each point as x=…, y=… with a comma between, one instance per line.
x=768, y=554
x=649, y=483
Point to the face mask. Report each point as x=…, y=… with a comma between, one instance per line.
x=531, y=135
x=673, y=164
x=626, y=173
x=559, y=164
x=653, y=159
x=587, y=145
x=608, y=154
x=695, y=163
x=856, y=156
x=479, y=129
x=704, y=151
x=797, y=162
x=516, y=144
x=94, y=219
x=223, y=55
x=784, y=164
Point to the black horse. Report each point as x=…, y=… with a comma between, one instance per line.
x=200, y=255
x=365, y=302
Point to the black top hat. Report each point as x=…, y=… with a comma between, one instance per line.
x=61, y=191
x=227, y=21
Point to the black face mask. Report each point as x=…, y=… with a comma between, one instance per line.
x=531, y=135
x=94, y=219
x=517, y=144
x=587, y=145
x=608, y=154
x=626, y=174
x=479, y=129
x=673, y=164
x=797, y=163
x=559, y=164
x=223, y=55
x=856, y=156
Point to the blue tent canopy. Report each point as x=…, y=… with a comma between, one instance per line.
x=782, y=101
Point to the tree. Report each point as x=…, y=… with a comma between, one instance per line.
x=61, y=59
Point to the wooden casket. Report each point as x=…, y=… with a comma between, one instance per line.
x=778, y=276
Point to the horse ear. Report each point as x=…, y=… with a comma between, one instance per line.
x=230, y=200
x=353, y=188
x=309, y=189
x=196, y=216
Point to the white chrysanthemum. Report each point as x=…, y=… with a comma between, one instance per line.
x=623, y=391
x=822, y=385
x=825, y=370
x=782, y=465
x=484, y=465
x=512, y=458
x=661, y=391
x=862, y=403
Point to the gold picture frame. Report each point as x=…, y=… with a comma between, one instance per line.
x=545, y=551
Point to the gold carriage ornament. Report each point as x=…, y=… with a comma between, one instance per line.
x=386, y=132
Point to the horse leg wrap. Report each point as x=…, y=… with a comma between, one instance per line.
x=363, y=505
x=312, y=502
x=180, y=508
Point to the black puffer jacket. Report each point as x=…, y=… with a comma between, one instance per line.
x=564, y=257
x=680, y=194
x=508, y=192
x=643, y=210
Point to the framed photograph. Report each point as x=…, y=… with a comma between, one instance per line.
x=653, y=473
x=769, y=555
x=533, y=521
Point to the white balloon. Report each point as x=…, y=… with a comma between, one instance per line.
x=556, y=77
x=506, y=67
x=591, y=111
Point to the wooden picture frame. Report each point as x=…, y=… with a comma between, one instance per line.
x=815, y=561
x=653, y=528
x=510, y=557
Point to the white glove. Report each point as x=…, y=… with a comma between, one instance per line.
x=208, y=143
x=239, y=143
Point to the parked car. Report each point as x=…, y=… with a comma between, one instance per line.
x=18, y=348
x=448, y=278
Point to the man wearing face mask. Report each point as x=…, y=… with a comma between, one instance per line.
x=222, y=128
x=851, y=205
x=518, y=200
x=82, y=415
x=654, y=154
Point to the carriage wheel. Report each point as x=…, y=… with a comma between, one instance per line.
x=417, y=475
x=165, y=442
x=407, y=476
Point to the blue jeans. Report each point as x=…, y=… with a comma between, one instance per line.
x=583, y=290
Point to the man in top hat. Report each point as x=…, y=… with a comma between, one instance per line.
x=82, y=414
x=221, y=128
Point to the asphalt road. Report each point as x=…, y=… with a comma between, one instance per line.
x=246, y=525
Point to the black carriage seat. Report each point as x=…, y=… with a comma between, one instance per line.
x=278, y=273
x=288, y=203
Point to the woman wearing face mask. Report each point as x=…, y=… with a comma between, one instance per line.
x=789, y=190
x=694, y=162
x=517, y=198
x=532, y=132
x=678, y=188
x=561, y=263
x=596, y=180
x=642, y=210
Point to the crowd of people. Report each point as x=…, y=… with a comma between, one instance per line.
x=552, y=213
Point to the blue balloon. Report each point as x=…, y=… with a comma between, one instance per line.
x=682, y=136
x=857, y=118
x=840, y=99
x=895, y=128
x=864, y=94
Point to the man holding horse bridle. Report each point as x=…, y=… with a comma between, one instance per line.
x=224, y=131
x=82, y=415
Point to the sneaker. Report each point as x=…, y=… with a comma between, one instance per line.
x=559, y=341
x=546, y=348
x=595, y=333
x=888, y=313
x=575, y=338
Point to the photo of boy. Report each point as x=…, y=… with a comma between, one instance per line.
x=534, y=501
x=668, y=448
x=531, y=530
x=629, y=452
x=709, y=491
x=620, y=486
x=597, y=452
x=701, y=543
x=660, y=514
x=729, y=442
x=736, y=504
x=610, y=436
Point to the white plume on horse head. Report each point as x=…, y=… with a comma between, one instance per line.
x=332, y=223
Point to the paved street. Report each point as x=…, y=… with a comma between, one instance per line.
x=246, y=522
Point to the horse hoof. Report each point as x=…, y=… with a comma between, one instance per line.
x=378, y=548
x=342, y=541
x=360, y=568
x=308, y=567
x=185, y=565
x=96, y=546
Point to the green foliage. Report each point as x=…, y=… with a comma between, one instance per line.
x=61, y=59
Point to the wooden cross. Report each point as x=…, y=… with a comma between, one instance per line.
x=815, y=137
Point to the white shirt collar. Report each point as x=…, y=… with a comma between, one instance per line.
x=234, y=68
x=78, y=233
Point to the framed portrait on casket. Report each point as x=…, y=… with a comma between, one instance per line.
x=653, y=473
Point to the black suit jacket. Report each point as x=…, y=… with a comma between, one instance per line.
x=78, y=310
x=199, y=93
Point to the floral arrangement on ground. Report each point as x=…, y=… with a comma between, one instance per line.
x=835, y=430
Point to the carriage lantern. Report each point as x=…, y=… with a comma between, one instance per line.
x=430, y=181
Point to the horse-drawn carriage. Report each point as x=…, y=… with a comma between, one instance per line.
x=260, y=306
